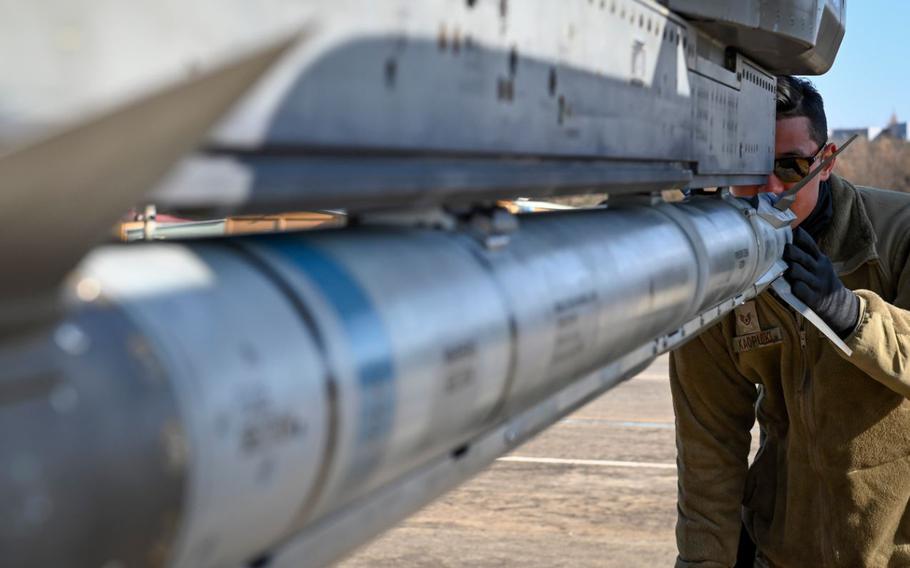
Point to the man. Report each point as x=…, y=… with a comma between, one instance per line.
x=830, y=484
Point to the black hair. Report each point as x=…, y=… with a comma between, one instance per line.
x=798, y=97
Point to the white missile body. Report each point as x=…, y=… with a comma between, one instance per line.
x=305, y=375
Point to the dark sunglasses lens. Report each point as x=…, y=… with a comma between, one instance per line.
x=791, y=170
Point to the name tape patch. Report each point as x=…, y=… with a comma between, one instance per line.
x=743, y=343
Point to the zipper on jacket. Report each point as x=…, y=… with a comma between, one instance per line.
x=803, y=345
x=811, y=429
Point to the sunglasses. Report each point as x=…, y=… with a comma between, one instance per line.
x=794, y=168
x=787, y=198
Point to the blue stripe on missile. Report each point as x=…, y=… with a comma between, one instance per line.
x=368, y=339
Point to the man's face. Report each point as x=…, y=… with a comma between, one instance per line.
x=792, y=139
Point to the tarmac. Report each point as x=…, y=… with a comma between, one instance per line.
x=596, y=489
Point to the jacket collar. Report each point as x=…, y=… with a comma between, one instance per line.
x=849, y=241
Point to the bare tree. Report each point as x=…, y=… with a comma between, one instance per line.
x=884, y=163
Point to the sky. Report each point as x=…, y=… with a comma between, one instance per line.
x=870, y=78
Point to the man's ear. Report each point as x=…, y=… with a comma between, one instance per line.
x=826, y=173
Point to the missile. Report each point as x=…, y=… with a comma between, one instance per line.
x=209, y=403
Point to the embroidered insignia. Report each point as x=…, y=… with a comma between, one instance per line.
x=751, y=341
x=747, y=319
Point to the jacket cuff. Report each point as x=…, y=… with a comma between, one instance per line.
x=861, y=321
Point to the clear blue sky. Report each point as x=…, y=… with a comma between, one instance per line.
x=870, y=78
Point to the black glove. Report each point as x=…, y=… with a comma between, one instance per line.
x=814, y=281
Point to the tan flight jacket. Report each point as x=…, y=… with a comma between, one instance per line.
x=830, y=485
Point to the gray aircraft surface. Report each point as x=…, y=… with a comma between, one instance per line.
x=278, y=400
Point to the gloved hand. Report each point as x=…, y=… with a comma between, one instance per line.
x=814, y=281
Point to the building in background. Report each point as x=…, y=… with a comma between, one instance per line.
x=844, y=133
x=894, y=129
